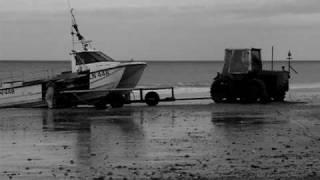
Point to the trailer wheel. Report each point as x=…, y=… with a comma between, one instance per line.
x=50, y=97
x=100, y=105
x=152, y=98
x=116, y=100
x=64, y=101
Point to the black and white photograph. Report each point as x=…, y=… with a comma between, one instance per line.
x=159, y=89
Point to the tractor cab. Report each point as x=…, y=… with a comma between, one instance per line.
x=242, y=61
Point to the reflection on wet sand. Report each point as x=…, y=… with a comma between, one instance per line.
x=102, y=136
x=246, y=127
x=143, y=142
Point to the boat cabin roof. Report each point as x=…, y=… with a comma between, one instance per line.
x=88, y=57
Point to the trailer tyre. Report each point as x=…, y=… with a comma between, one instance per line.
x=116, y=100
x=100, y=105
x=152, y=98
x=50, y=95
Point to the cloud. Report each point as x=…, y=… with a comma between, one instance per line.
x=237, y=9
x=158, y=29
x=263, y=8
x=55, y=5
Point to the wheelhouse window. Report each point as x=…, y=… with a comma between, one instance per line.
x=91, y=57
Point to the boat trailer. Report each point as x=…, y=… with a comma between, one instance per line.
x=118, y=97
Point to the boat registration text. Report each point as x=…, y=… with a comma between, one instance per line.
x=103, y=73
x=6, y=91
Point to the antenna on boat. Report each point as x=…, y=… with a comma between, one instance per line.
x=71, y=29
x=75, y=32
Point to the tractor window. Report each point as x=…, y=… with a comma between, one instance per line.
x=227, y=59
x=239, y=62
x=256, y=63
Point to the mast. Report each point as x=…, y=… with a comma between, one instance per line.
x=76, y=32
x=289, y=61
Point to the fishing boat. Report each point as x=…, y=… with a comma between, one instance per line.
x=93, y=75
x=105, y=72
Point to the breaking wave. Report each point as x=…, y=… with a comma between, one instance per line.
x=179, y=84
x=305, y=86
x=182, y=88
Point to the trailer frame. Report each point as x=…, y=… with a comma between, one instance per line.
x=146, y=95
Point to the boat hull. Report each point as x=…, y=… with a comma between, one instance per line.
x=106, y=78
x=131, y=75
x=122, y=75
x=103, y=79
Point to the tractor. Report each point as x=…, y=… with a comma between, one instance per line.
x=244, y=80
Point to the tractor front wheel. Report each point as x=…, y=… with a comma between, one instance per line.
x=218, y=91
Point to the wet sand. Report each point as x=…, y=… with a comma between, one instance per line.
x=171, y=141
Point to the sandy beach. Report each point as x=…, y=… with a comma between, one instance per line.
x=201, y=140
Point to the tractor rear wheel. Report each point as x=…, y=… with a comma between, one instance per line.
x=279, y=97
x=256, y=92
x=253, y=93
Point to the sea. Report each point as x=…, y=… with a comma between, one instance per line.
x=182, y=74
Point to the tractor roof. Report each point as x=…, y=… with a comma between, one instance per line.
x=241, y=61
x=242, y=49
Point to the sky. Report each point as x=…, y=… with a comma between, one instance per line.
x=160, y=29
